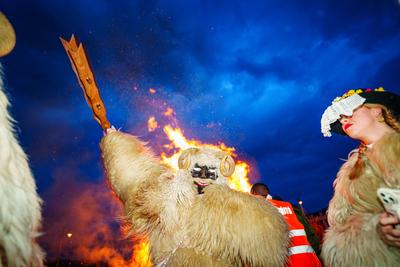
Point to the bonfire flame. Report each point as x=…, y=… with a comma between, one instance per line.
x=239, y=179
x=140, y=257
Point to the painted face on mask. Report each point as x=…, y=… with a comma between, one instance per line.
x=206, y=166
x=203, y=175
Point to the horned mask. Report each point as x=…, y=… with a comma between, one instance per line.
x=207, y=166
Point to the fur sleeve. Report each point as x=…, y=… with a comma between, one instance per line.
x=149, y=190
x=385, y=156
x=128, y=162
x=237, y=226
x=340, y=204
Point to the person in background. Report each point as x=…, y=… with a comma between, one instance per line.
x=361, y=233
x=301, y=253
x=310, y=231
x=260, y=189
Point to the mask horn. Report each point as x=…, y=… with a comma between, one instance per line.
x=227, y=166
x=7, y=36
x=184, y=158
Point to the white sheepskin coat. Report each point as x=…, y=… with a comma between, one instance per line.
x=20, y=205
x=221, y=227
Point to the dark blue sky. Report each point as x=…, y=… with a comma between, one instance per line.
x=254, y=74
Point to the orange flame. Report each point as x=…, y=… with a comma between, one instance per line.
x=239, y=179
x=152, y=124
x=140, y=257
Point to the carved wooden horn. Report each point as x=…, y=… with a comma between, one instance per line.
x=184, y=158
x=227, y=166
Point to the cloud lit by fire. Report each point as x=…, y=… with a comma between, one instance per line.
x=82, y=223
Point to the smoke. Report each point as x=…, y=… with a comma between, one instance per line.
x=82, y=223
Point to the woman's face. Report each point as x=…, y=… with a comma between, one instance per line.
x=360, y=123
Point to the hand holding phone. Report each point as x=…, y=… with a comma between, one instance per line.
x=390, y=199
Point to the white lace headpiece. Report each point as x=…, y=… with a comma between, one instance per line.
x=340, y=106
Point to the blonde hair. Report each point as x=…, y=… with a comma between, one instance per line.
x=390, y=119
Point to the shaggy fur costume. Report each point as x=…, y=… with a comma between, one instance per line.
x=221, y=227
x=20, y=215
x=353, y=214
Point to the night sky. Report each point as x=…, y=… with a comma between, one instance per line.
x=256, y=75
